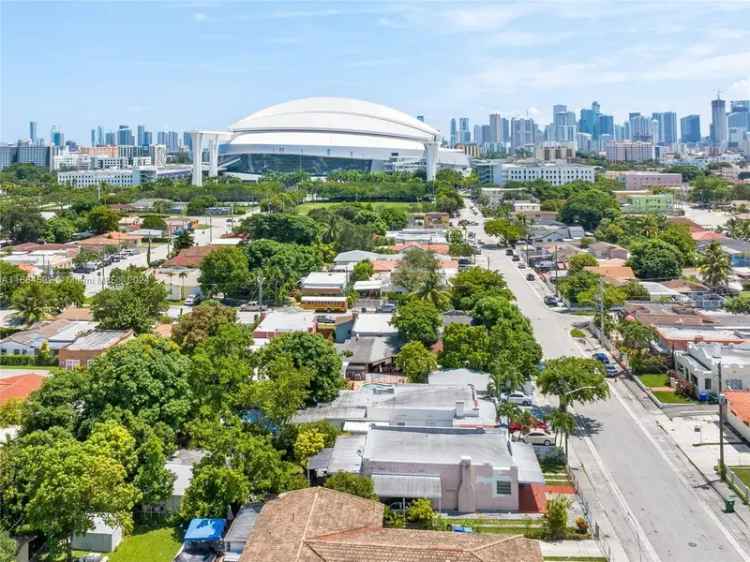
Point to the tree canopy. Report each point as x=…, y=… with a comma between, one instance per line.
x=655, y=259
x=134, y=300
x=573, y=380
x=418, y=320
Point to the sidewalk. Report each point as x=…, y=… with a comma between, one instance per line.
x=571, y=549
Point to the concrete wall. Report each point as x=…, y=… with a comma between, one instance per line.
x=738, y=424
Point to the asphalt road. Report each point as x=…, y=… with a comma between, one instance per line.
x=648, y=492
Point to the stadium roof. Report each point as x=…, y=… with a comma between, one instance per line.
x=336, y=115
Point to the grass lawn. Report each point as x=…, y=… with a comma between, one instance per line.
x=307, y=207
x=155, y=544
x=654, y=380
x=575, y=559
x=743, y=473
x=671, y=398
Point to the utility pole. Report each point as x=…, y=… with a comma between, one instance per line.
x=601, y=305
x=557, y=288
x=260, y=289
x=722, y=469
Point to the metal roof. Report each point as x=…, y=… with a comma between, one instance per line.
x=407, y=486
x=243, y=523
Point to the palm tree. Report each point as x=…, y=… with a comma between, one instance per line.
x=183, y=276
x=563, y=424
x=433, y=290
x=715, y=266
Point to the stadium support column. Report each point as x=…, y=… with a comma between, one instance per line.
x=431, y=157
x=197, y=137
x=213, y=156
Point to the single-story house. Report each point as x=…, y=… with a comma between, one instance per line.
x=110, y=239
x=55, y=333
x=190, y=257
x=436, y=248
x=372, y=288
x=240, y=530
x=700, y=295
x=355, y=256
x=607, y=251
x=324, y=283
x=459, y=377
x=180, y=464
x=179, y=281
x=661, y=293
x=615, y=274
x=369, y=354
x=738, y=411
x=314, y=524
x=101, y=537
x=277, y=322
x=368, y=324
x=88, y=347
x=678, y=338
x=699, y=364
x=459, y=469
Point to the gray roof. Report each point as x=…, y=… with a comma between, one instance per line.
x=243, y=523
x=181, y=465
x=432, y=445
x=98, y=339
x=321, y=460
x=407, y=486
x=529, y=471
x=454, y=377
x=355, y=256
x=347, y=453
x=369, y=350
x=456, y=317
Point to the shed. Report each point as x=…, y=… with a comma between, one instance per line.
x=99, y=538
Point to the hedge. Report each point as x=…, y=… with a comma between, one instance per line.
x=27, y=360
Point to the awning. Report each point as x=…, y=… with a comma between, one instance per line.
x=207, y=530
x=407, y=486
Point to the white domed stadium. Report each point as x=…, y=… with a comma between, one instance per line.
x=323, y=135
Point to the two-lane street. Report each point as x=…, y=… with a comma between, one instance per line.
x=645, y=490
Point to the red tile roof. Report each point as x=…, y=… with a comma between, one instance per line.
x=701, y=235
x=191, y=257
x=19, y=387
x=738, y=402
x=437, y=248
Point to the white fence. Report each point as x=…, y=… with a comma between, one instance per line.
x=739, y=486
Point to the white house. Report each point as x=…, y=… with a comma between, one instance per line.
x=700, y=365
x=738, y=411
x=101, y=537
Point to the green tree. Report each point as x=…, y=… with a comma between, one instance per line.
x=465, y=346
x=134, y=300
x=313, y=353
x=420, y=512
x=472, y=284
x=199, y=204
x=709, y=190
x=739, y=304
x=56, y=403
x=579, y=261
x=354, y=484
x=59, y=230
x=68, y=291
x=153, y=222
x=578, y=283
x=449, y=201
x=21, y=224
x=7, y=546
x=490, y=311
x=573, y=380
x=147, y=376
x=418, y=320
x=282, y=227
x=715, y=266
x=562, y=423
x=11, y=278
x=656, y=259
x=556, y=518
x=224, y=270
x=309, y=442
x=102, y=219
x=362, y=271
x=588, y=208
x=634, y=291
x=34, y=300
x=212, y=490
x=416, y=362
x=183, y=240
x=510, y=231
x=417, y=268
x=202, y=322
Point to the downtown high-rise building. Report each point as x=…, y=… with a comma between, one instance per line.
x=32, y=132
x=125, y=136
x=478, y=134
x=187, y=140
x=639, y=127
x=496, y=129
x=665, y=132
x=140, y=138
x=589, y=121
x=739, y=115
x=99, y=136
x=719, y=123
x=563, y=124
x=93, y=137
x=56, y=137
x=522, y=132
x=464, y=133
x=690, y=129
x=110, y=139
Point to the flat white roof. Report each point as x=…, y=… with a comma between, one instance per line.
x=325, y=279
x=374, y=323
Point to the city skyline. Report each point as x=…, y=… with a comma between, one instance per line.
x=513, y=59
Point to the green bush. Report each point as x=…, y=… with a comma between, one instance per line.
x=577, y=333
x=556, y=518
x=27, y=360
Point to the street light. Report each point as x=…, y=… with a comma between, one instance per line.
x=722, y=402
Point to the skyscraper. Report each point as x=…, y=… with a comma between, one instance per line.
x=496, y=128
x=478, y=134
x=719, y=124
x=454, y=132
x=739, y=116
x=99, y=136
x=563, y=124
x=522, y=132
x=606, y=126
x=464, y=133
x=125, y=136
x=140, y=138
x=148, y=138
x=485, y=134
x=110, y=139
x=32, y=131
x=589, y=122
x=639, y=127
x=666, y=133
x=187, y=140
x=56, y=138
x=690, y=128
x=93, y=137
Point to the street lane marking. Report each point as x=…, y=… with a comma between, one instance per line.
x=620, y=497
x=682, y=479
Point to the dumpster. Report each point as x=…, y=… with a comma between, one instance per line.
x=703, y=396
x=729, y=504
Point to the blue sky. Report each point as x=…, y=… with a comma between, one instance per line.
x=178, y=65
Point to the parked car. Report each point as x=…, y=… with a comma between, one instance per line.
x=535, y=424
x=509, y=251
x=517, y=397
x=521, y=265
x=516, y=258
x=551, y=300
x=611, y=369
x=193, y=299
x=196, y=552
x=530, y=277
x=539, y=437
x=601, y=356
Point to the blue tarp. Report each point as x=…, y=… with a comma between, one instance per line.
x=205, y=530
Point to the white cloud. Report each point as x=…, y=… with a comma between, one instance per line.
x=525, y=38
x=200, y=17
x=473, y=17
x=719, y=67
x=740, y=89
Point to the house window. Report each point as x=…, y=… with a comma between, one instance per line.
x=707, y=384
x=502, y=488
